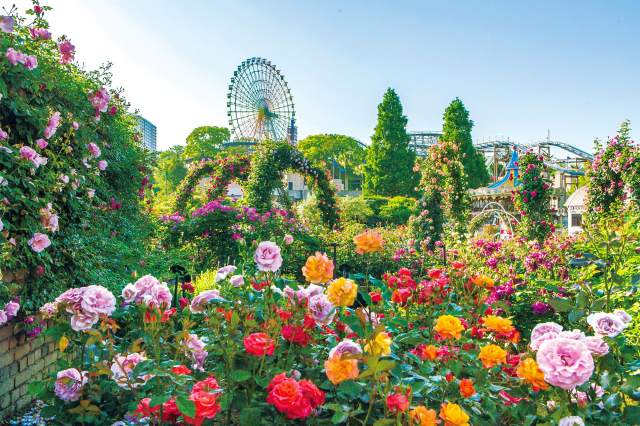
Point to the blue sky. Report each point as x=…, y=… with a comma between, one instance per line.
x=520, y=67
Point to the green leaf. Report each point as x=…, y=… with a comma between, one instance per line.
x=384, y=422
x=250, y=416
x=561, y=305
x=35, y=388
x=186, y=406
x=339, y=417
x=240, y=375
x=632, y=414
x=158, y=400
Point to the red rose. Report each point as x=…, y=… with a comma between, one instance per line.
x=296, y=334
x=376, y=297
x=170, y=412
x=397, y=403
x=401, y=295
x=206, y=407
x=144, y=409
x=206, y=385
x=259, y=344
x=180, y=369
x=312, y=393
x=288, y=398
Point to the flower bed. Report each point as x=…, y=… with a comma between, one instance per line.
x=438, y=344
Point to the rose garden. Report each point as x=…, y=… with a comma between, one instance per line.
x=188, y=306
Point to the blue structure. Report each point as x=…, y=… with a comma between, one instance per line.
x=511, y=176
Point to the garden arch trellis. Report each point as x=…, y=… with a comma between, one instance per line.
x=262, y=175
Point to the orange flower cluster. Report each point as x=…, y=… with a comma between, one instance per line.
x=492, y=355
x=339, y=369
x=453, y=415
x=318, y=269
x=483, y=281
x=369, y=241
x=449, y=327
x=529, y=371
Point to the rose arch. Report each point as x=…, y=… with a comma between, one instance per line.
x=262, y=175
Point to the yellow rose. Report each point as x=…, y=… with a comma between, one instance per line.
x=342, y=292
x=453, y=415
x=498, y=324
x=491, y=355
x=483, y=281
x=529, y=371
x=380, y=345
x=449, y=327
x=369, y=241
x=338, y=370
x=318, y=268
x=422, y=416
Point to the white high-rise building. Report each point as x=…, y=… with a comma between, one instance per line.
x=148, y=131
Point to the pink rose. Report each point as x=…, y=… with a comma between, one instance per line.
x=129, y=293
x=321, y=309
x=48, y=310
x=28, y=153
x=571, y=421
x=42, y=144
x=566, y=363
x=3, y=317
x=41, y=33
x=100, y=100
x=12, y=309
x=52, y=125
x=81, y=321
x=94, y=149
x=606, y=324
x=64, y=179
x=160, y=295
x=624, y=317
x=144, y=284
x=98, y=300
x=267, y=256
x=194, y=347
x=67, y=51
x=30, y=62
x=288, y=239
x=198, y=304
x=6, y=24
x=596, y=345
x=39, y=242
x=346, y=346
x=75, y=125
x=4, y=136
x=237, y=280
x=102, y=165
x=572, y=334
x=223, y=272
x=69, y=383
x=122, y=369
x=542, y=332
x=13, y=56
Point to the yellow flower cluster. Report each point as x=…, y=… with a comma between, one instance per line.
x=422, y=416
x=491, y=355
x=338, y=369
x=497, y=324
x=342, y=292
x=483, y=281
x=380, y=345
x=453, y=415
x=449, y=327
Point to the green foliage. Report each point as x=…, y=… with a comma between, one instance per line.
x=389, y=167
x=457, y=130
x=322, y=150
x=533, y=198
x=268, y=165
x=615, y=166
x=101, y=226
x=205, y=142
x=170, y=169
x=427, y=225
x=355, y=209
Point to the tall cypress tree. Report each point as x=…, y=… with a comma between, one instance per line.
x=457, y=130
x=389, y=167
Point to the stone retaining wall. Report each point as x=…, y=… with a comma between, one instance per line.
x=21, y=361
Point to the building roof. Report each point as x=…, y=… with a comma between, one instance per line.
x=577, y=199
x=511, y=177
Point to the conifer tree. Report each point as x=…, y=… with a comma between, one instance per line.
x=389, y=169
x=457, y=130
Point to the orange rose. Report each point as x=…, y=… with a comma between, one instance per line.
x=453, y=415
x=491, y=355
x=483, y=281
x=369, y=241
x=449, y=327
x=466, y=388
x=498, y=324
x=422, y=416
x=529, y=371
x=424, y=352
x=318, y=268
x=338, y=370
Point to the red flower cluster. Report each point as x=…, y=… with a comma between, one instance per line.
x=398, y=402
x=296, y=334
x=294, y=399
x=259, y=344
x=205, y=400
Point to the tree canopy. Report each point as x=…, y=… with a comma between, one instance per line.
x=170, y=168
x=390, y=162
x=457, y=130
x=205, y=142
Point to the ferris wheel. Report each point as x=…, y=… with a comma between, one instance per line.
x=259, y=103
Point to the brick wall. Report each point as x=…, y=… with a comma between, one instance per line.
x=21, y=361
